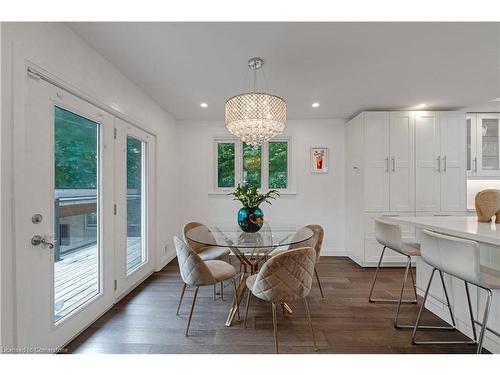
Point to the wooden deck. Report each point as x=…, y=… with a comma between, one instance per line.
x=76, y=275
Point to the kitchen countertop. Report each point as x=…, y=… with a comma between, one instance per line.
x=459, y=226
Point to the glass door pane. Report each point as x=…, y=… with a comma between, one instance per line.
x=76, y=207
x=136, y=150
x=489, y=144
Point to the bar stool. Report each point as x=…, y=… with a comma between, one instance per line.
x=459, y=258
x=389, y=235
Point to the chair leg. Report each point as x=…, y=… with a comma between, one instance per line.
x=447, y=328
x=235, y=298
x=222, y=290
x=192, y=308
x=249, y=295
x=315, y=347
x=215, y=291
x=413, y=283
x=275, y=327
x=396, y=325
x=485, y=322
x=471, y=314
x=319, y=283
x=182, y=296
x=370, y=299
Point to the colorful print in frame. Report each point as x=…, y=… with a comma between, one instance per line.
x=319, y=159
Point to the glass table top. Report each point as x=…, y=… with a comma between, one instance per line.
x=230, y=235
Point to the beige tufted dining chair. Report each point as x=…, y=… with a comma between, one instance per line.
x=196, y=272
x=315, y=242
x=286, y=276
x=206, y=252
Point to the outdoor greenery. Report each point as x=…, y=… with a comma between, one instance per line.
x=76, y=153
x=134, y=163
x=225, y=165
x=278, y=165
x=252, y=165
x=250, y=198
x=76, y=142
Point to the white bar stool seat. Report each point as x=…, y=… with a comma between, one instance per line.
x=461, y=259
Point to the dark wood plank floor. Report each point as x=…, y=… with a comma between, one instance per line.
x=145, y=320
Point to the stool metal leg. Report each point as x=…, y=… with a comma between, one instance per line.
x=470, y=310
x=396, y=325
x=448, y=328
x=370, y=299
x=319, y=284
x=485, y=321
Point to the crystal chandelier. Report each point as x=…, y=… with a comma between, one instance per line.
x=255, y=117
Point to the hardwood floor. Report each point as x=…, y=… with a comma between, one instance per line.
x=145, y=320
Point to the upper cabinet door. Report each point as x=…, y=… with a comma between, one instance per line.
x=428, y=162
x=402, y=161
x=488, y=135
x=377, y=160
x=452, y=126
x=471, y=134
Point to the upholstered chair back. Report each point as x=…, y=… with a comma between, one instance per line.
x=193, y=269
x=315, y=241
x=388, y=234
x=455, y=256
x=197, y=247
x=286, y=276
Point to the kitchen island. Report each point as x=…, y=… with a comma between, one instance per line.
x=488, y=237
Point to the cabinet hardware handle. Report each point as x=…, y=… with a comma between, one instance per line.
x=387, y=164
x=475, y=164
x=393, y=164
x=391, y=215
x=444, y=161
x=439, y=164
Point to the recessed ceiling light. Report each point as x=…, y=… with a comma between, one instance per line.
x=423, y=105
x=203, y=105
x=496, y=100
x=315, y=105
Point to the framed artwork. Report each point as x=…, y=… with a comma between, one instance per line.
x=319, y=159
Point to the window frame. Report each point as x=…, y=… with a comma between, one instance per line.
x=238, y=147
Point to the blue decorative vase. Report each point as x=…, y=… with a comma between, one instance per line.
x=250, y=219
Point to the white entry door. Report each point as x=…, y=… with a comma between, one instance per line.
x=64, y=217
x=135, y=206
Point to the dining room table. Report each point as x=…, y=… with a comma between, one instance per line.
x=251, y=249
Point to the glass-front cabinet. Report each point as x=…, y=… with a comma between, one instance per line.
x=483, y=140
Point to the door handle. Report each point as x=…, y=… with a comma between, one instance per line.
x=387, y=164
x=439, y=164
x=37, y=240
x=444, y=162
x=394, y=164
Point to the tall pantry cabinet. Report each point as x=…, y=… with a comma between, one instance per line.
x=401, y=164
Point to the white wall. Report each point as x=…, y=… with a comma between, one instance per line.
x=58, y=50
x=319, y=198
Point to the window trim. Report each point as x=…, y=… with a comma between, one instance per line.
x=215, y=190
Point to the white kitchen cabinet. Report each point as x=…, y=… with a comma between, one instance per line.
x=402, y=163
x=389, y=161
x=440, y=161
x=483, y=140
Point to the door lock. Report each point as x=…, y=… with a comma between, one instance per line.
x=37, y=240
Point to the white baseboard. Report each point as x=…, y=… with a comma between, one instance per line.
x=167, y=258
x=333, y=252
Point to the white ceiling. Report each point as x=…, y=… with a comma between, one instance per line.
x=347, y=67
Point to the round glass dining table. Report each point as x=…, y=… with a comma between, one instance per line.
x=250, y=248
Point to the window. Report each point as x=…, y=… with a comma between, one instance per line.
x=265, y=166
x=252, y=165
x=278, y=165
x=225, y=164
